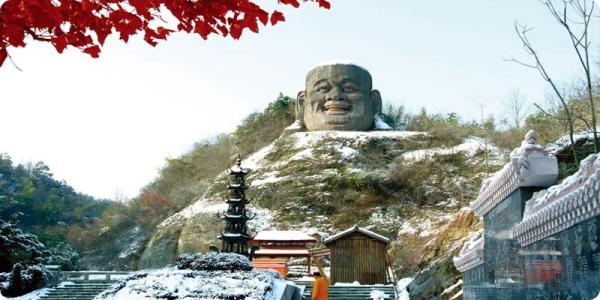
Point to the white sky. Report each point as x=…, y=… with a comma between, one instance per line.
x=107, y=124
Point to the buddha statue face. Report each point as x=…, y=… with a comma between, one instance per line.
x=338, y=97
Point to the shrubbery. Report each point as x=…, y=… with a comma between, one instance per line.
x=17, y=246
x=213, y=262
x=23, y=279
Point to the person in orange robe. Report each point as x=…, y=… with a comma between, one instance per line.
x=320, y=288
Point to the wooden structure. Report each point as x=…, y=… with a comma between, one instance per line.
x=316, y=255
x=282, y=245
x=279, y=265
x=358, y=254
x=235, y=235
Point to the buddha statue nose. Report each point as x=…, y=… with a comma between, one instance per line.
x=335, y=94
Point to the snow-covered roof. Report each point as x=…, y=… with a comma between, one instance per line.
x=471, y=255
x=531, y=165
x=283, y=236
x=293, y=251
x=357, y=229
x=561, y=206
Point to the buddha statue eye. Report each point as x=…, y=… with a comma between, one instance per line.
x=350, y=88
x=323, y=88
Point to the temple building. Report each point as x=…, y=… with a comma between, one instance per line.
x=276, y=248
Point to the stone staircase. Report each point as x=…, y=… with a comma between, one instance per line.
x=76, y=291
x=355, y=292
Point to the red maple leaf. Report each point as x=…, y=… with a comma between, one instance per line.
x=3, y=55
x=276, y=17
x=93, y=51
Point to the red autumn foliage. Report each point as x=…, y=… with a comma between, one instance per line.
x=85, y=24
x=153, y=205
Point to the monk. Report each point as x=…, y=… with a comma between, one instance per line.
x=320, y=288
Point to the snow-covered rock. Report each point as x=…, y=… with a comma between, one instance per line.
x=401, y=288
x=171, y=283
x=200, y=276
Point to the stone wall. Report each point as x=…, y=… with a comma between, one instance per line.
x=536, y=245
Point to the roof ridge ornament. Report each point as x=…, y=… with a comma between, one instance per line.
x=530, y=166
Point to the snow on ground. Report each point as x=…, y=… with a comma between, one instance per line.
x=423, y=227
x=452, y=287
x=307, y=139
x=383, y=217
x=565, y=142
x=356, y=283
x=136, y=245
x=381, y=124
x=471, y=147
x=450, y=202
x=253, y=161
x=200, y=206
x=263, y=219
x=401, y=288
x=378, y=295
x=265, y=178
x=171, y=283
x=35, y=295
x=304, y=154
x=346, y=152
x=303, y=143
x=457, y=295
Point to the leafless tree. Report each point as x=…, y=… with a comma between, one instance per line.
x=522, y=31
x=578, y=31
x=515, y=109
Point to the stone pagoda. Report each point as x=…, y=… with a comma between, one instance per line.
x=235, y=235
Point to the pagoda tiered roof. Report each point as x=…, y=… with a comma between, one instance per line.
x=235, y=235
x=235, y=199
x=230, y=216
x=234, y=186
x=237, y=169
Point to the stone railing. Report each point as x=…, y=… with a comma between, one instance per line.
x=470, y=256
x=92, y=276
x=562, y=206
x=530, y=166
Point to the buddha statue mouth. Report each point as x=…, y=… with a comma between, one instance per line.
x=337, y=107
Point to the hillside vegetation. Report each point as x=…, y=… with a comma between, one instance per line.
x=184, y=179
x=44, y=206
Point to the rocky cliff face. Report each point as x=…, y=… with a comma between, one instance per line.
x=409, y=186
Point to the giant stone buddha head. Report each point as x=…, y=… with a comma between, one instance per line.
x=338, y=97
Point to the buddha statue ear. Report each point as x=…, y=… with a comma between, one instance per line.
x=376, y=101
x=300, y=106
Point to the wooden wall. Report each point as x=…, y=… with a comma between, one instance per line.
x=358, y=258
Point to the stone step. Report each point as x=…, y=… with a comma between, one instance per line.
x=69, y=298
x=84, y=289
x=353, y=292
x=76, y=291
